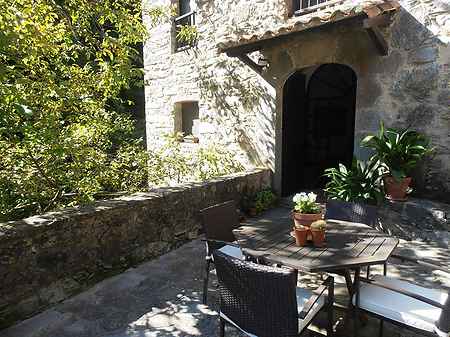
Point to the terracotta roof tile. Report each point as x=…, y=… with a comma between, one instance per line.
x=339, y=10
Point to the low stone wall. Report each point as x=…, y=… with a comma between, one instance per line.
x=45, y=259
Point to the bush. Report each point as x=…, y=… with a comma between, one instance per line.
x=359, y=183
x=397, y=150
x=66, y=135
x=169, y=164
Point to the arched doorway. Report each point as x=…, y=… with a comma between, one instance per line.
x=318, y=124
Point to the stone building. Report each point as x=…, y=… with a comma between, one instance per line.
x=294, y=85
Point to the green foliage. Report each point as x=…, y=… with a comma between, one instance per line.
x=306, y=203
x=187, y=33
x=264, y=200
x=360, y=182
x=398, y=150
x=63, y=132
x=170, y=164
x=319, y=225
x=66, y=135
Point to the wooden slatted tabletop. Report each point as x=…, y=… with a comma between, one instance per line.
x=348, y=245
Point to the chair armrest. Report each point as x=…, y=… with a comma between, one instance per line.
x=234, y=244
x=328, y=284
x=212, y=245
x=403, y=292
x=422, y=262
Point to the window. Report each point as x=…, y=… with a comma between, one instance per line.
x=186, y=18
x=307, y=6
x=186, y=120
x=184, y=7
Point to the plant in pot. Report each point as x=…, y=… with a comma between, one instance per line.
x=359, y=183
x=318, y=232
x=398, y=151
x=306, y=209
x=301, y=234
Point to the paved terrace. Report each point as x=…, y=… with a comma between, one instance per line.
x=163, y=298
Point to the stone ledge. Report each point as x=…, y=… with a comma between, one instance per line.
x=13, y=229
x=47, y=258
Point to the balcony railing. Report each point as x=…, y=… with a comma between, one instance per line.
x=302, y=7
x=187, y=19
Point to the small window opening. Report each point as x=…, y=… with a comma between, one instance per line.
x=187, y=121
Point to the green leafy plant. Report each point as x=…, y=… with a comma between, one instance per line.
x=264, y=200
x=67, y=135
x=187, y=34
x=169, y=163
x=319, y=225
x=399, y=151
x=360, y=182
x=306, y=203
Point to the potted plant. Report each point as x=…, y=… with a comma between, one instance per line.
x=301, y=235
x=358, y=183
x=318, y=232
x=260, y=202
x=399, y=152
x=306, y=209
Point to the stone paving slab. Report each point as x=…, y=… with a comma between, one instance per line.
x=163, y=298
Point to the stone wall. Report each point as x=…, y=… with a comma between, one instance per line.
x=239, y=108
x=44, y=259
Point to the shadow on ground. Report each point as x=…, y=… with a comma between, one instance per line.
x=163, y=298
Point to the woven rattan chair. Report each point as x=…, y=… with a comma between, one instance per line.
x=417, y=308
x=265, y=301
x=353, y=212
x=218, y=222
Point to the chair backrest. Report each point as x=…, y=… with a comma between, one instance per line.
x=219, y=220
x=443, y=323
x=350, y=211
x=261, y=300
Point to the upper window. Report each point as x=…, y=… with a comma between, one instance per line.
x=185, y=33
x=184, y=7
x=307, y=6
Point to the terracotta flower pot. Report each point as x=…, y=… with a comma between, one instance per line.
x=396, y=190
x=301, y=235
x=301, y=219
x=318, y=237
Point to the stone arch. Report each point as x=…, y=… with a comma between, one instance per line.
x=317, y=124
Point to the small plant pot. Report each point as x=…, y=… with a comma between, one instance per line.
x=301, y=235
x=252, y=211
x=318, y=237
x=301, y=219
x=396, y=190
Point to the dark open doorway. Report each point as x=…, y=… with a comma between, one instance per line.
x=318, y=124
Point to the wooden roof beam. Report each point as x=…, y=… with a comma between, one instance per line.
x=252, y=64
x=372, y=27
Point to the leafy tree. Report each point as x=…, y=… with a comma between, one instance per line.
x=66, y=135
x=63, y=67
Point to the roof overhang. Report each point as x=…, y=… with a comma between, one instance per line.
x=372, y=13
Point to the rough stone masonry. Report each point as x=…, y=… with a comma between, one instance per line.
x=47, y=258
x=239, y=108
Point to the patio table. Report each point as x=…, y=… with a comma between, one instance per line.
x=349, y=246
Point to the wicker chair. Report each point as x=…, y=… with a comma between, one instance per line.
x=353, y=212
x=218, y=222
x=265, y=301
x=417, y=308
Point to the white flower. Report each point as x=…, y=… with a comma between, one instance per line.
x=312, y=197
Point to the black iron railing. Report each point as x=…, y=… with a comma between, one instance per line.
x=187, y=19
x=302, y=7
